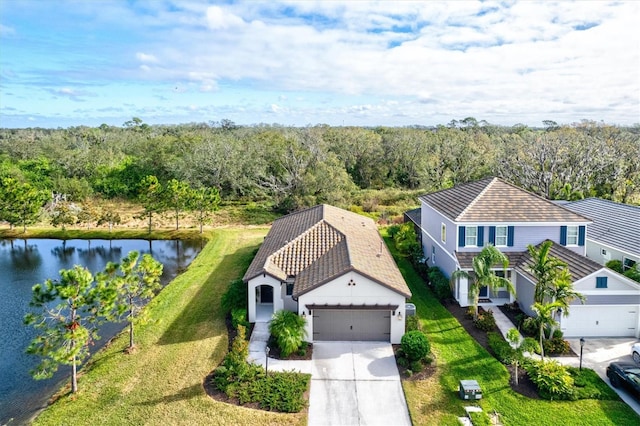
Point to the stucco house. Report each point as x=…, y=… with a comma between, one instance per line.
x=615, y=232
x=332, y=267
x=456, y=223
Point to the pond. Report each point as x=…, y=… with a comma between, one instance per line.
x=25, y=262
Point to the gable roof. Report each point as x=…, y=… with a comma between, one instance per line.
x=579, y=266
x=321, y=243
x=614, y=224
x=494, y=200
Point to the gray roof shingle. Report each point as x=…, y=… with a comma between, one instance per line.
x=494, y=200
x=579, y=266
x=614, y=224
x=321, y=243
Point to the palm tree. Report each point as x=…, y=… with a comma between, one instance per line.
x=545, y=268
x=563, y=293
x=520, y=346
x=545, y=318
x=483, y=275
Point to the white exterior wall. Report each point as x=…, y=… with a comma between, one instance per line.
x=522, y=237
x=616, y=284
x=431, y=222
x=594, y=252
x=365, y=292
x=278, y=303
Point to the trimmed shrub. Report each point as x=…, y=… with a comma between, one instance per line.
x=439, y=283
x=239, y=317
x=485, y=321
x=235, y=297
x=412, y=323
x=615, y=265
x=556, y=346
x=501, y=348
x=416, y=366
x=415, y=345
x=288, y=329
x=530, y=327
x=552, y=379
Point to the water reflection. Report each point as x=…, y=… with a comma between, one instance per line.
x=25, y=262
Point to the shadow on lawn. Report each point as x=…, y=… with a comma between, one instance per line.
x=183, y=394
x=194, y=322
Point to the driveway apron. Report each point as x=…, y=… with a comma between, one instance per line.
x=356, y=383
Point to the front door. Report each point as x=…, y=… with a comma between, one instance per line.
x=484, y=291
x=266, y=294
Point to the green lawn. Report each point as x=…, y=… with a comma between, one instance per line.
x=162, y=382
x=435, y=401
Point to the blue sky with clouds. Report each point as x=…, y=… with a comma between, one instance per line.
x=66, y=63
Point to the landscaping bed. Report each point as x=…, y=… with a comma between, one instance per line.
x=525, y=386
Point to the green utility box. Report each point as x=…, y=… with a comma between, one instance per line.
x=469, y=389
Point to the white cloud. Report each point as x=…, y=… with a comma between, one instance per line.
x=145, y=57
x=220, y=19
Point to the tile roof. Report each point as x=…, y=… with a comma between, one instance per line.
x=496, y=201
x=465, y=259
x=414, y=215
x=321, y=243
x=579, y=266
x=614, y=224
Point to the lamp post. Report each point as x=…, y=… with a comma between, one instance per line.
x=266, y=360
x=581, y=347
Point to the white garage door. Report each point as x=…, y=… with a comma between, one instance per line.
x=601, y=321
x=357, y=324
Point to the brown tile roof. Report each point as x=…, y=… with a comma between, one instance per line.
x=321, y=243
x=579, y=266
x=496, y=201
x=465, y=259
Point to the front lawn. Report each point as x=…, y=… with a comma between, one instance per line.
x=162, y=383
x=434, y=401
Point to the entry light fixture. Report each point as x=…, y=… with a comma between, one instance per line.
x=399, y=316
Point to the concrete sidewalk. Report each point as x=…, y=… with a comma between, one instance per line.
x=503, y=322
x=257, y=354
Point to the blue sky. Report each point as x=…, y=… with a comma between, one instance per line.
x=67, y=63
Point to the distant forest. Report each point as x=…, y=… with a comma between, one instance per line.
x=294, y=167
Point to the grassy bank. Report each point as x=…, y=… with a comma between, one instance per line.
x=101, y=233
x=162, y=382
x=435, y=401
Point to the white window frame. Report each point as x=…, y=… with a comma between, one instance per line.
x=572, y=235
x=443, y=232
x=625, y=267
x=497, y=241
x=433, y=254
x=467, y=238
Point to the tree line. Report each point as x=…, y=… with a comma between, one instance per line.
x=294, y=167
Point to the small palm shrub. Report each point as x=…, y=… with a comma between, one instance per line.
x=415, y=345
x=552, y=379
x=288, y=330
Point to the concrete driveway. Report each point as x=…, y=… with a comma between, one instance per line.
x=598, y=353
x=356, y=383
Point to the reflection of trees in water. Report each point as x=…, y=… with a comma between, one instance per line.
x=24, y=257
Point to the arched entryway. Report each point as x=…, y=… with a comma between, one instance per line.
x=264, y=302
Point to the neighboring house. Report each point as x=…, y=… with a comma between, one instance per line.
x=332, y=267
x=615, y=232
x=612, y=300
x=457, y=223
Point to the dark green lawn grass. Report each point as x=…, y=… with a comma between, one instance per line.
x=458, y=356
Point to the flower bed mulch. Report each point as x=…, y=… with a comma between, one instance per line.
x=428, y=370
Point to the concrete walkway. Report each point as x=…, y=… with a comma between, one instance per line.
x=352, y=383
x=503, y=322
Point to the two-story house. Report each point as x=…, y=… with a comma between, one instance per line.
x=457, y=223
